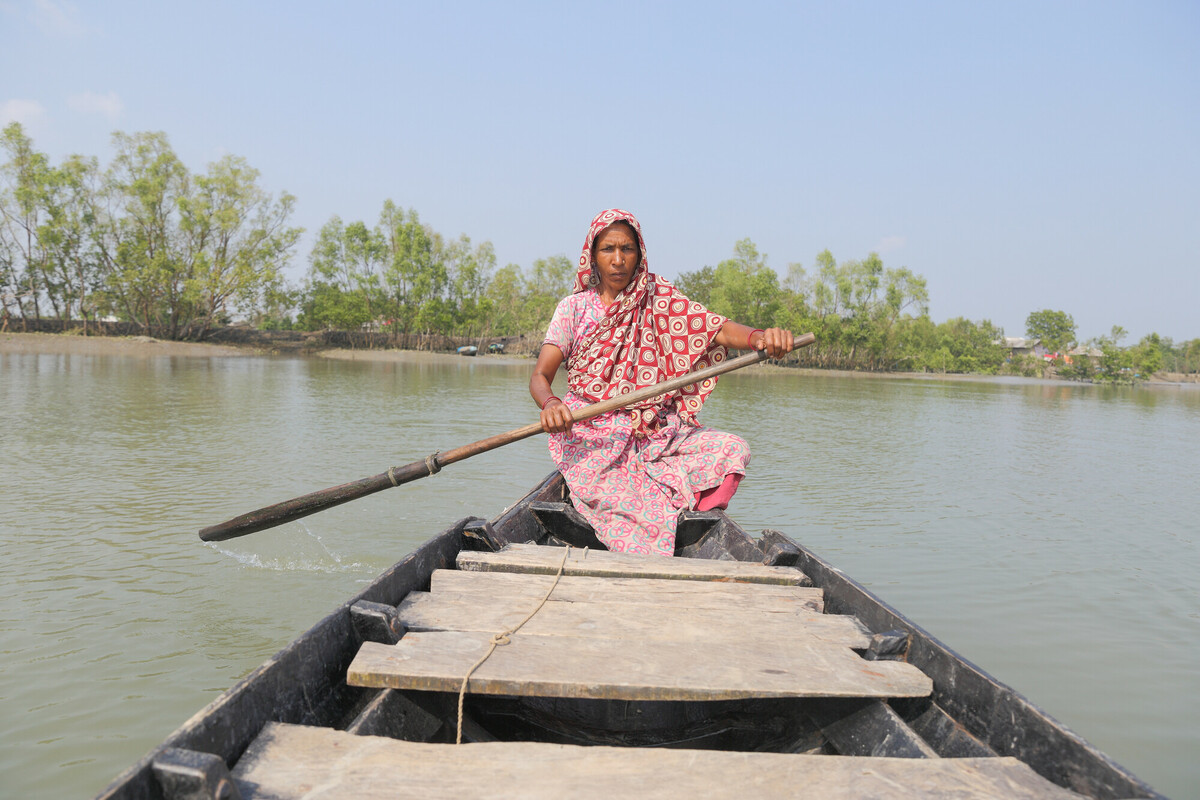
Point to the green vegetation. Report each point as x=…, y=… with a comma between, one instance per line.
x=146, y=241
x=1056, y=329
x=865, y=317
x=403, y=277
x=1127, y=364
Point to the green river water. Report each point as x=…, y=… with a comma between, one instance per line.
x=1048, y=532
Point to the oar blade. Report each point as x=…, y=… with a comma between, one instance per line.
x=298, y=507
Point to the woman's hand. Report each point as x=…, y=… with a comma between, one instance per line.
x=556, y=417
x=736, y=336
x=776, y=341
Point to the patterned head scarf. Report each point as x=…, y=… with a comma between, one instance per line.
x=650, y=333
x=601, y=223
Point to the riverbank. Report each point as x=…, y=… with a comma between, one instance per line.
x=148, y=347
x=415, y=356
x=137, y=346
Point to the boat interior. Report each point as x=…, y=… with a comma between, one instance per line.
x=750, y=649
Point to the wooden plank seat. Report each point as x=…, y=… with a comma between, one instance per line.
x=619, y=669
x=594, y=647
x=448, y=611
x=764, y=597
x=293, y=761
x=538, y=560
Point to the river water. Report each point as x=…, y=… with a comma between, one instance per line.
x=1047, y=532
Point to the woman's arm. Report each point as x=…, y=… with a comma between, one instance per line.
x=556, y=416
x=736, y=336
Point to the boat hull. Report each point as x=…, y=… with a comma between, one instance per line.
x=969, y=713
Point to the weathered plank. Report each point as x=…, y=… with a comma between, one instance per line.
x=559, y=666
x=763, y=597
x=532, y=559
x=443, y=611
x=289, y=761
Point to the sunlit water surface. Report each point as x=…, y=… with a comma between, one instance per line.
x=1047, y=532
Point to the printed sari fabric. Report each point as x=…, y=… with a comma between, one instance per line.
x=632, y=471
x=650, y=333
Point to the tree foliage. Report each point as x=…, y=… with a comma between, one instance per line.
x=861, y=311
x=1128, y=364
x=27, y=263
x=1183, y=358
x=177, y=252
x=1056, y=329
x=399, y=275
x=145, y=239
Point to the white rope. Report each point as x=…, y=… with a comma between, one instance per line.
x=502, y=639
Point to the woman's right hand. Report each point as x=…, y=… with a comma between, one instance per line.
x=556, y=417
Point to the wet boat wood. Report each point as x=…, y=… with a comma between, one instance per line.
x=288, y=761
x=536, y=560
x=765, y=597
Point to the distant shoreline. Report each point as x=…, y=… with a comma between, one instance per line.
x=137, y=346
x=148, y=347
x=414, y=356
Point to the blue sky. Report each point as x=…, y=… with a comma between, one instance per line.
x=1018, y=155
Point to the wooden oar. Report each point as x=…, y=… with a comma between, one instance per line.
x=299, y=507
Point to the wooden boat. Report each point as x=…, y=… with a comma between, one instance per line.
x=967, y=735
x=467, y=350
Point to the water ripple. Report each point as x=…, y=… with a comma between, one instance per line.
x=1034, y=527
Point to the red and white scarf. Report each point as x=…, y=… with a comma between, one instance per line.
x=650, y=333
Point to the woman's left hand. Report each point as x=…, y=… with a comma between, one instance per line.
x=776, y=341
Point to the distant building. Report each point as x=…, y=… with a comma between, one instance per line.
x=1020, y=346
x=1093, y=353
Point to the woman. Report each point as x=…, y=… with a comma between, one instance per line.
x=632, y=471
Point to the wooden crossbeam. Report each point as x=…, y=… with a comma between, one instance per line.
x=763, y=597
x=534, y=559
x=292, y=761
x=562, y=666
x=601, y=619
x=605, y=633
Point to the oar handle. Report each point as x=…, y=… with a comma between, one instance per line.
x=298, y=507
x=637, y=396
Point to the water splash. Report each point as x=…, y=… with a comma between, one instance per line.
x=316, y=557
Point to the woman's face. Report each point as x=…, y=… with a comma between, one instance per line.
x=616, y=255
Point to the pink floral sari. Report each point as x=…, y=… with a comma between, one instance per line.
x=632, y=471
